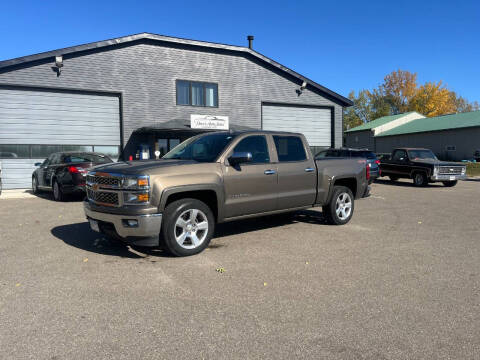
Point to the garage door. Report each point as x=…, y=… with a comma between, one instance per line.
x=35, y=123
x=314, y=123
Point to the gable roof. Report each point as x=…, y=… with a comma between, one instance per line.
x=437, y=123
x=379, y=122
x=168, y=39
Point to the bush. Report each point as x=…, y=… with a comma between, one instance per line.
x=473, y=169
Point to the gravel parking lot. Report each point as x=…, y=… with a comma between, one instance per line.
x=400, y=281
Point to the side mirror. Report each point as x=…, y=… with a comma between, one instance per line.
x=37, y=164
x=240, y=158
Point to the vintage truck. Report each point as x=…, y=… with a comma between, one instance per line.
x=422, y=166
x=175, y=202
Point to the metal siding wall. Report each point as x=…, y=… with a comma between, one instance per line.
x=315, y=124
x=465, y=141
x=40, y=117
x=17, y=173
x=365, y=140
x=146, y=74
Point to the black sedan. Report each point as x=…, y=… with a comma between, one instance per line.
x=65, y=173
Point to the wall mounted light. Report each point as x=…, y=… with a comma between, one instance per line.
x=58, y=65
x=302, y=87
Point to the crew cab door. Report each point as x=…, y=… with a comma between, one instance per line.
x=250, y=188
x=297, y=172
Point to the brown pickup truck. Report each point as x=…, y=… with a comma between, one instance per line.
x=176, y=201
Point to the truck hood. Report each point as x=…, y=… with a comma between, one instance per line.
x=140, y=167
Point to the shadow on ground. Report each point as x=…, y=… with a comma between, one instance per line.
x=406, y=183
x=80, y=235
x=48, y=195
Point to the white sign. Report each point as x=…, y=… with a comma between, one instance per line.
x=209, y=122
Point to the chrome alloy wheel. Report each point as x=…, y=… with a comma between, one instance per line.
x=191, y=228
x=343, y=206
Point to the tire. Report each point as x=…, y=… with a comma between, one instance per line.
x=35, y=185
x=449, y=183
x=181, y=234
x=393, y=178
x=420, y=179
x=57, y=191
x=337, y=212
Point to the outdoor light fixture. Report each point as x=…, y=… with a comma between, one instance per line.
x=58, y=64
x=302, y=87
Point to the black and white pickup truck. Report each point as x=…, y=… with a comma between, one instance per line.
x=422, y=166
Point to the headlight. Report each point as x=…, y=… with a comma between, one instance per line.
x=134, y=182
x=435, y=170
x=135, y=197
x=464, y=170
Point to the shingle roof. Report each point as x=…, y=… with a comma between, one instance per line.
x=168, y=39
x=444, y=122
x=378, y=122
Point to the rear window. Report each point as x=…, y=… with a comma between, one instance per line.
x=289, y=148
x=81, y=158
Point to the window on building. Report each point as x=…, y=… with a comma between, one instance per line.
x=196, y=93
x=289, y=148
x=14, y=151
x=257, y=146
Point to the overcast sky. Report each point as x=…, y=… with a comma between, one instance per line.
x=343, y=45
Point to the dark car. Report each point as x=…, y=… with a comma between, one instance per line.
x=422, y=166
x=372, y=162
x=65, y=173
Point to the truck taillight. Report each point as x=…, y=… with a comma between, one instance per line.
x=76, y=170
x=367, y=170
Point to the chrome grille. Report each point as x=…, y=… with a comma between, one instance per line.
x=104, y=180
x=103, y=197
x=450, y=170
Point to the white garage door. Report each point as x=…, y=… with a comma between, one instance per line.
x=35, y=123
x=314, y=123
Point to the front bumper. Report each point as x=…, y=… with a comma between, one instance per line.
x=148, y=225
x=448, y=177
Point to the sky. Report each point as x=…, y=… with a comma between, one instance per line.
x=347, y=45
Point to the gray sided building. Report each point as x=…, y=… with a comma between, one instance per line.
x=141, y=93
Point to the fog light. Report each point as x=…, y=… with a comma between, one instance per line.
x=130, y=222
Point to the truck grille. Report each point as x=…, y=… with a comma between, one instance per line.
x=104, y=180
x=450, y=170
x=103, y=197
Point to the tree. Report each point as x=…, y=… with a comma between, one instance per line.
x=398, y=89
x=433, y=99
x=360, y=112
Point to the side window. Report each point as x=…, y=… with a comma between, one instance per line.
x=257, y=146
x=289, y=148
x=321, y=154
x=399, y=154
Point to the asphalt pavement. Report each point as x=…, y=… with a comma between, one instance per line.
x=400, y=281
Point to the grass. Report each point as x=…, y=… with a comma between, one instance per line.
x=473, y=169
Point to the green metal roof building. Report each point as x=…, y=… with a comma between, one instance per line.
x=450, y=137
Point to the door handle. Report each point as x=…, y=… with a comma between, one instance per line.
x=269, y=172
x=309, y=169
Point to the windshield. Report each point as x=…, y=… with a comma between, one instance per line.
x=421, y=155
x=81, y=158
x=204, y=148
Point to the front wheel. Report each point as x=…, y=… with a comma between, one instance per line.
x=188, y=226
x=449, y=183
x=420, y=179
x=340, y=209
x=34, y=185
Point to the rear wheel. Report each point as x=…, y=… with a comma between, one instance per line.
x=34, y=185
x=340, y=209
x=449, y=183
x=188, y=226
x=57, y=191
x=420, y=179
